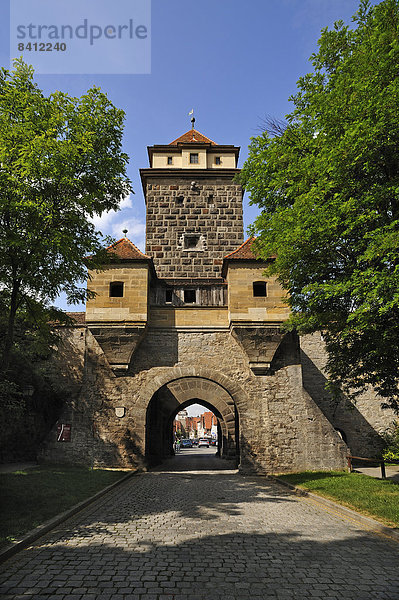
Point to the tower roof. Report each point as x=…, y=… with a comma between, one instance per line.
x=192, y=136
x=243, y=252
x=126, y=250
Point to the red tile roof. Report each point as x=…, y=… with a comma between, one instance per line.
x=126, y=250
x=192, y=136
x=244, y=252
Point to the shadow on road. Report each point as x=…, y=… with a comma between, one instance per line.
x=231, y=566
x=182, y=534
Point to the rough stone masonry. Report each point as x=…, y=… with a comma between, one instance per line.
x=196, y=319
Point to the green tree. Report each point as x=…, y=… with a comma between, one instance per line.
x=327, y=184
x=60, y=164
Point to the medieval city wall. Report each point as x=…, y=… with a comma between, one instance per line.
x=361, y=423
x=281, y=428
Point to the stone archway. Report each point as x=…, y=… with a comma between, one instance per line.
x=169, y=393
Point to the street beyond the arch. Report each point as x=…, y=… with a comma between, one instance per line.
x=195, y=529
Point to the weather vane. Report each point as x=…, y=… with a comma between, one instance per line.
x=125, y=231
x=192, y=118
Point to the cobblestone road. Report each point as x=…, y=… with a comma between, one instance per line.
x=205, y=535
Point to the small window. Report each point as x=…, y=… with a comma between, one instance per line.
x=218, y=160
x=210, y=198
x=259, y=288
x=179, y=199
x=189, y=296
x=170, y=160
x=116, y=289
x=168, y=296
x=191, y=242
x=193, y=158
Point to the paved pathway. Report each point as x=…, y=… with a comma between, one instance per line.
x=392, y=472
x=204, y=534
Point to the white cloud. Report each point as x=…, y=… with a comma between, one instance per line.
x=136, y=231
x=114, y=222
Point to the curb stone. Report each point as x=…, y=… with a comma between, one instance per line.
x=41, y=530
x=368, y=522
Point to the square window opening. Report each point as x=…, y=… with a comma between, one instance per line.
x=189, y=296
x=259, y=289
x=170, y=160
x=168, y=296
x=191, y=242
x=116, y=289
x=218, y=160
x=193, y=158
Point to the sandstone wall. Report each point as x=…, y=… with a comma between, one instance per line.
x=131, y=307
x=244, y=305
x=360, y=423
x=281, y=428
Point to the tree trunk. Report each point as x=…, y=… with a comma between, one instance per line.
x=9, y=341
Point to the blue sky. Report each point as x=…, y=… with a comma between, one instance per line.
x=234, y=62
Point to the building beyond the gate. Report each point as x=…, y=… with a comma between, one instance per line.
x=196, y=319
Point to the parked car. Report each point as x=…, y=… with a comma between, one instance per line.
x=186, y=444
x=214, y=442
x=204, y=443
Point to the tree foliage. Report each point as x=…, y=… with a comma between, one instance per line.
x=60, y=163
x=327, y=185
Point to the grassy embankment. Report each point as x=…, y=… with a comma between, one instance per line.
x=372, y=497
x=31, y=497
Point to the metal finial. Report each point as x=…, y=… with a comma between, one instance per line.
x=125, y=231
x=192, y=122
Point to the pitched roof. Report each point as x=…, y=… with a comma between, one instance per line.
x=244, y=252
x=126, y=250
x=192, y=135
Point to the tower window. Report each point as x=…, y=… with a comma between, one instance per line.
x=193, y=158
x=168, y=296
x=189, y=296
x=259, y=288
x=116, y=289
x=218, y=160
x=170, y=160
x=191, y=242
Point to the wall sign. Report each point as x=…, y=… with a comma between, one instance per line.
x=120, y=411
x=64, y=432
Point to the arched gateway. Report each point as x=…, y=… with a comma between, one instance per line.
x=180, y=388
x=195, y=319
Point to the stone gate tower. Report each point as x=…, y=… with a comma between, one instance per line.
x=194, y=319
x=194, y=208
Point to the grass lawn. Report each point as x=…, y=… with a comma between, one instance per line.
x=373, y=497
x=29, y=498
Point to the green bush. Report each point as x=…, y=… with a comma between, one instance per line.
x=391, y=437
